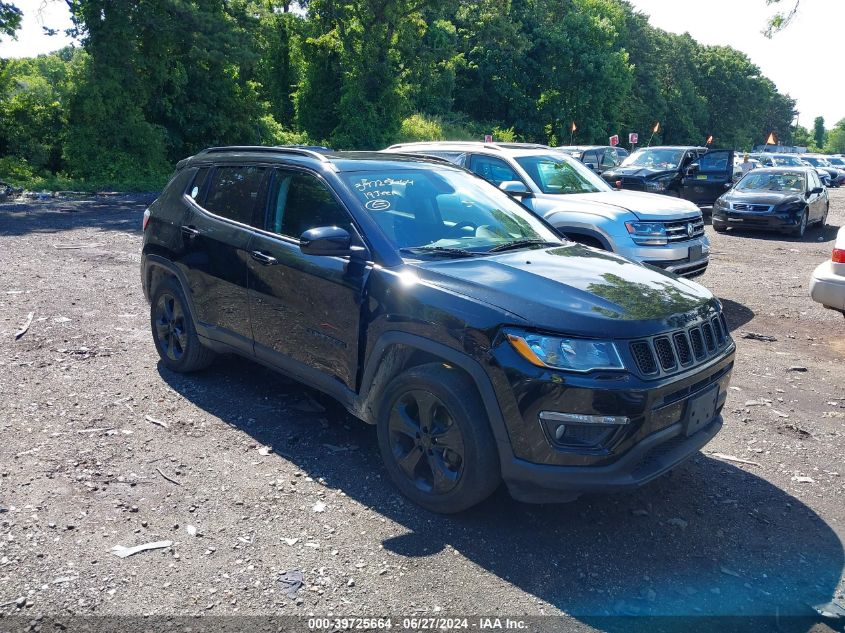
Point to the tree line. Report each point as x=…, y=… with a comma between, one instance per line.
x=153, y=81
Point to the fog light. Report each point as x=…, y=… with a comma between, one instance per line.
x=580, y=418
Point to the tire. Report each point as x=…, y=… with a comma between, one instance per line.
x=172, y=326
x=421, y=411
x=799, y=230
x=719, y=227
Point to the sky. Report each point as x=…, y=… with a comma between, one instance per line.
x=806, y=60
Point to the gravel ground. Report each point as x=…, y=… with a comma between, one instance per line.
x=250, y=475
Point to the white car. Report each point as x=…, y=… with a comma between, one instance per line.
x=827, y=285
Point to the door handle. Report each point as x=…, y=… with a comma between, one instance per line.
x=263, y=258
x=190, y=232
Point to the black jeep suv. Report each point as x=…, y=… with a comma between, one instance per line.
x=430, y=304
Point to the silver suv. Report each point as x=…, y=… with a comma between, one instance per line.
x=659, y=230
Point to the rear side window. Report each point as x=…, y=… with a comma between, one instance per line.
x=714, y=162
x=299, y=202
x=234, y=192
x=199, y=180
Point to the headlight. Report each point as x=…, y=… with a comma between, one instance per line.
x=658, y=184
x=789, y=207
x=720, y=204
x=571, y=354
x=647, y=233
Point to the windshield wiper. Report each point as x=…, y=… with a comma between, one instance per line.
x=509, y=246
x=438, y=250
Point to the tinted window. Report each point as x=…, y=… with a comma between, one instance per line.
x=493, y=169
x=591, y=157
x=234, y=191
x=714, y=162
x=609, y=158
x=299, y=202
x=458, y=158
x=814, y=180
x=199, y=180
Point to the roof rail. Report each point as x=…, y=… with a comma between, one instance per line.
x=269, y=149
x=431, y=157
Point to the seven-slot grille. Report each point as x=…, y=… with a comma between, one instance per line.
x=667, y=353
x=742, y=206
x=678, y=231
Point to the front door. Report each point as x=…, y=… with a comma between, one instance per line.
x=706, y=177
x=306, y=310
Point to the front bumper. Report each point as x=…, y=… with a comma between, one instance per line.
x=652, y=457
x=687, y=259
x=667, y=420
x=770, y=220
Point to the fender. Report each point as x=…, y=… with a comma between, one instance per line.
x=372, y=383
x=151, y=261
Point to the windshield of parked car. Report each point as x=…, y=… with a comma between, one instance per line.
x=836, y=161
x=772, y=181
x=561, y=174
x=655, y=158
x=437, y=212
x=787, y=161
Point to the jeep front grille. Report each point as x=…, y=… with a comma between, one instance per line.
x=674, y=351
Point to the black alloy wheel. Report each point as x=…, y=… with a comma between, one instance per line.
x=426, y=443
x=435, y=439
x=171, y=335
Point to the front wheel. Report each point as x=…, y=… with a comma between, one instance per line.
x=799, y=230
x=719, y=227
x=436, y=441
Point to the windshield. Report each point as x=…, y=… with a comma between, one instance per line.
x=772, y=181
x=561, y=175
x=836, y=161
x=655, y=158
x=437, y=211
x=787, y=161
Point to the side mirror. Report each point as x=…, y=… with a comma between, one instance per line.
x=591, y=166
x=516, y=189
x=326, y=240
x=818, y=190
x=728, y=185
x=691, y=170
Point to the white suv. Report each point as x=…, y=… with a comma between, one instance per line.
x=659, y=230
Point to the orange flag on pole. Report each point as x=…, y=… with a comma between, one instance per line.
x=771, y=140
x=656, y=128
x=573, y=128
x=709, y=140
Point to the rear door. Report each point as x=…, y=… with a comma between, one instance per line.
x=217, y=233
x=305, y=309
x=705, y=179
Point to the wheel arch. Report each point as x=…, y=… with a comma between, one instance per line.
x=395, y=352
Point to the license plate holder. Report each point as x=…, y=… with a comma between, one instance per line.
x=701, y=410
x=695, y=253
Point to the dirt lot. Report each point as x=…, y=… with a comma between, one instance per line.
x=250, y=475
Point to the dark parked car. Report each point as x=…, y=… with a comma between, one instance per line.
x=693, y=173
x=599, y=158
x=837, y=176
x=774, y=198
x=432, y=305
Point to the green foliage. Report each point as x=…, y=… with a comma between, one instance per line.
x=156, y=80
x=10, y=19
x=819, y=133
x=836, y=139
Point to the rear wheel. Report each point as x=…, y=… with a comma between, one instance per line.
x=435, y=439
x=173, y=330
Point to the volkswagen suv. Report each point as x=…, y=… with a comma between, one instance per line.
x=578, y=203
x=482, y=346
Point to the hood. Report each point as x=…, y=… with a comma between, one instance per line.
x=646, y=206
x=574, y=289
x=760, y=197
x=634, y=171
